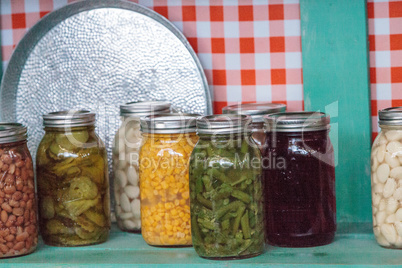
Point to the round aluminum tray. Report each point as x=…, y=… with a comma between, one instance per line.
x=97, y=55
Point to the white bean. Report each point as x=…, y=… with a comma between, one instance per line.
x=390, y=218
x=383, y=205
x=376, y=199
x=381, y=153
x=136, y=208
x=374, y=178
x=394, y=147
x=380, y=217
x=398, y=227
x=398, y=242
x=383, y=172
x=129, y=224
x=382, y=140
x=398, y=194
x=392, y=160
x=376, y=231
x=132, y=191
x=389, y=188
x=122, y=177
x=382, y=241
x=132, y=176
x=138, y=222
x=392, y=205
x=116, y=193
x=378, y=188
x=389, y=232
x=396, y=173
x=398, y=214
x=126, y=215
x=125, y=203
x=121, y=145
x=393, y=135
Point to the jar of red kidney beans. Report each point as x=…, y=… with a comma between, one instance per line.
x=299, y=180
x=18, y=224
x=256, y=111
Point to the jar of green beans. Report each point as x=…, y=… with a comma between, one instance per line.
x=225, y=189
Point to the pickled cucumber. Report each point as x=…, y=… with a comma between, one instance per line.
x=73, y=188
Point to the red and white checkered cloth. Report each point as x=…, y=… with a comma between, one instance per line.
x=385, y=36
x=250, y=49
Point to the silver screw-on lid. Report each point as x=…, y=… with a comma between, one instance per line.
x=255, y=110
x=144, y=108
x=169, y=123
x=223, y=124
x=69, y=118
x=296, y=122
x=391, y=116
x=12, y=132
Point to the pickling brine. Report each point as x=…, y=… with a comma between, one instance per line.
x=73, y=185
x=226, y=190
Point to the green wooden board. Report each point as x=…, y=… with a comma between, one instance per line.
x=354, y=246
x=336, y=81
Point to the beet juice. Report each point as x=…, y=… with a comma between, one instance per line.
x=299, y=180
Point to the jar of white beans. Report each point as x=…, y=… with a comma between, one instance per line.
x=127, y=143
x=386, y=179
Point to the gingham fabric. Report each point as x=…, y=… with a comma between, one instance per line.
x=385, y=36
x=250, y=50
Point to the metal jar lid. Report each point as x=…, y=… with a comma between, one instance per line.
x=69, y=118
x=169, y=123
x=296, y=122
x=144, y=108
x=223, y=124
x=12, y=132
x=390, y=116
x=255, y=110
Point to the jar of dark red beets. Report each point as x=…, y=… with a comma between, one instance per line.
x=299, y=180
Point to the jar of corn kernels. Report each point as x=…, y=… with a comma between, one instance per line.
x=168, y=141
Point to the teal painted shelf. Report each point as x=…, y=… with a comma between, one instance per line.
x=354, y=246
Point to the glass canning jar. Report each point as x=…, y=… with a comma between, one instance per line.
x=299, y=178
x=126, y=148
x=256, y=111
x=226, y=189
x=168, y=142
x=73, y=183
x=386, y=179
x=18, y=216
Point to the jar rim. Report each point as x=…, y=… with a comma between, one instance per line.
x=12, y=132
x=223, y=124
x=144, y=108
x=391, y=116
x=255, y=110
x=169, y=123
x=296, y=121
x=69, y=118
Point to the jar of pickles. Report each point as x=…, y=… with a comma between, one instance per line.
x=168, y=142
x=126, y=148
x=18, y=217
x=299, y=180
x=72, y=179
x=386, y=179
x=256, y=111
x=225, y=189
